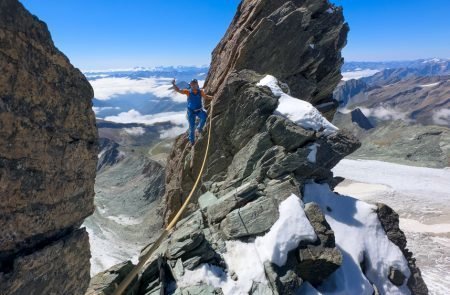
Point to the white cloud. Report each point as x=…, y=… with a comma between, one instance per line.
x=133, y=116
x=108, y=88
x=358, y=74
x=136, y=131
x=442, y=117
x=385, y=114
x=173, y=132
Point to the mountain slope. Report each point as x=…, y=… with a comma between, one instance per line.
x=264, y=219
x=399, y=94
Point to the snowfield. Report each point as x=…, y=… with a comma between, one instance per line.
x=349, y=217
x=421, y=198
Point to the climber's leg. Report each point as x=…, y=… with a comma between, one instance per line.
x=191, y=120
x=202, y=115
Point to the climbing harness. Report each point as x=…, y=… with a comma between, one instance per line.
x=135, y=271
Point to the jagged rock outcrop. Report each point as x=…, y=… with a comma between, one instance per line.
x=247, y=230
x=109, y=153
x=354, y=121
x=105, y=282
x=48, y=155
x=390, y=222
x=297, y=41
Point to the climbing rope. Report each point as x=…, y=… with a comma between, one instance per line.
x=134, y=272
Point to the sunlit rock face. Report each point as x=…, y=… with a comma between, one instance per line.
x=48, y=156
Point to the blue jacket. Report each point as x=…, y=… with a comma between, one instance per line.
x=194, y=101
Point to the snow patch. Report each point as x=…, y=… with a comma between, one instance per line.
x=292, y=227
x=299, y=111
x=383, y=113
x=125, y=220
x=349, y=217
x=313, y=152
x=429, y=85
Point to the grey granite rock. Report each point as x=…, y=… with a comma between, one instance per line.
x=252, y=219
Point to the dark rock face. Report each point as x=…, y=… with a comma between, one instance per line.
x=297, y=41
x=320, y=259
x=109, y=153
x=48, y=156
x=390, y=222
x=360, y=119
x=350, y=91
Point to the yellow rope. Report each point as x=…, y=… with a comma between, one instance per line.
x=130, y=277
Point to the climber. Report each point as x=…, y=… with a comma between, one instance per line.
x=194, y=108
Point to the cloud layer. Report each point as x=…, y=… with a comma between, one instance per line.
x=107, y=88
x=384, y=114
x=133, y=116
x=358, y=74
x=442, y=117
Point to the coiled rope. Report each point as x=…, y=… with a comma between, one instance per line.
x=134, y=272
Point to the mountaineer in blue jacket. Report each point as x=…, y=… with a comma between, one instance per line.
x=194, y=107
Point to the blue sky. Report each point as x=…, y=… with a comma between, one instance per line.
x=102, y=34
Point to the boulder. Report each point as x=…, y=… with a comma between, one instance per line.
x=106, y=282
x=396, y=276
x=287, y=134
x=260, y=289
x=206, y=200
x=280, y=189
x=252, y=219
x=233, y=199
x=319, y=259
x=282, y=280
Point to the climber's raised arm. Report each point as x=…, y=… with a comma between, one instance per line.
x=177, y=89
